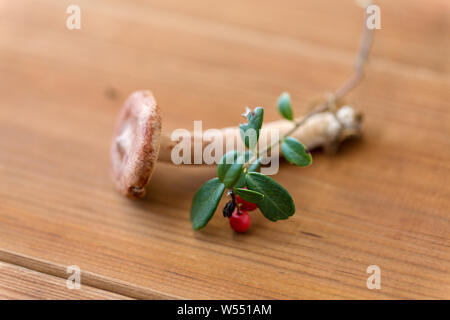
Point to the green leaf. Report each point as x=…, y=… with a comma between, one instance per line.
x=230, y=168
x=241, y=181
x=248, y=155
x=252, y=168
x=284, y=106
x=205, y=202
x=277, y=203
x=249, y=195
x=255, y=165
x=250, y=130
x=295, y=152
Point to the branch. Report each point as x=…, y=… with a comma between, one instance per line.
x=349, y=85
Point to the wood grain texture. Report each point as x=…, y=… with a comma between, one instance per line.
x=21, y=283
x=383, y=200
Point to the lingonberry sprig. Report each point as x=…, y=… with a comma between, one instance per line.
x=248, y=188
x=239, y=171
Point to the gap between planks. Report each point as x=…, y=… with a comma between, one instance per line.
x=19, y=283
x=90, y=279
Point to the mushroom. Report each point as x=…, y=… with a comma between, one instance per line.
x=135, y=147
x=138, y=143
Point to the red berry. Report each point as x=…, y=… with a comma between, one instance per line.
x=240, y=222
x=245, y=205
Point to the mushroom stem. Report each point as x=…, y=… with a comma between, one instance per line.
x=325, y=129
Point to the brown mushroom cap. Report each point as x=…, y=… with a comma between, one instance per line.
x=135, y=145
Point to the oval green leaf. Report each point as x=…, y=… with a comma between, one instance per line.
x=277, y=203
x=230, y=168
x=250, y=130
x=295, y=152
x=249, y=195
x=255, y=165
x=284, y=106
x=241, y=181
x=205, y=202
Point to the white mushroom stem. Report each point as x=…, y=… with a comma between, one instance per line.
x=325, y=129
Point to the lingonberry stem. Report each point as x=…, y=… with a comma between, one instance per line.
x=349, y=85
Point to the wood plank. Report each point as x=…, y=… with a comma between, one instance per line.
x=25, y=284
x=89, y=279
x=383, y=200
x=322, y=22
x=310, y=24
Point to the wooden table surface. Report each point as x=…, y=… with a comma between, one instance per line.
x=383, y=200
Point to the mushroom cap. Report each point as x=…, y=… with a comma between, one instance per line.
x=135, y=145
